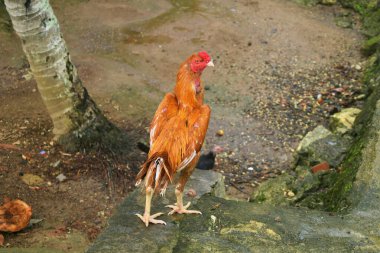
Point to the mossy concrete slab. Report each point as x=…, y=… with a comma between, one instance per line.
x=232, y=226
x=126, y=232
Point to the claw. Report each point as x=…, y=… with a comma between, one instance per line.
x=182, y=210
x=151, y=219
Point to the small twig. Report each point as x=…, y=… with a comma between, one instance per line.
x=64, y=154
x=237, y=188
x=9, y=146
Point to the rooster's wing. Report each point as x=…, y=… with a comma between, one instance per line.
x=198, y=124
x=166, y=110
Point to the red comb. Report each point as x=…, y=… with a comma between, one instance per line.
x=204, y=56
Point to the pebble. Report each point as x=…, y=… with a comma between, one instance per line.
x=290, y=194
x=220, y=132
x=61, y=177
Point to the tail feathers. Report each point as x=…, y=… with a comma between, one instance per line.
x=156, y=172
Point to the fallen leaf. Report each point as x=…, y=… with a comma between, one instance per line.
x=31, y=179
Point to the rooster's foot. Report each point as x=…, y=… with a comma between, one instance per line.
x=181, y=209
x=151, y=219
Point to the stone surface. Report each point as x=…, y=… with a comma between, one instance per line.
x=322, y=145
x=126, y=233
x=232, y=226
x=366, y=188
x=343, y=121
x=328, y=2
x=273, y=191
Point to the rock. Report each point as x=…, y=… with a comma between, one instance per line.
x=28, y=76
x=290, y=194
x=272, y=191
x=322, y=145
x=343, y=121
x=305, y=182
x=320, y=167
x=328, y=2
x=61, y=177
x=238, y=227
x=220, y=132
x=31, y=179
x=126, y=233
x=344, y=21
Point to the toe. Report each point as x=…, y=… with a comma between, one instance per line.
x=140, y=216
x=193, y=211
x=156, y=215
x=158, y=222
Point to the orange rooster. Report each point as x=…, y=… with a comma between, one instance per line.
x=14, y=215
x=177, y=133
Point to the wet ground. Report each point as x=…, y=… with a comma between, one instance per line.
x=272, y=61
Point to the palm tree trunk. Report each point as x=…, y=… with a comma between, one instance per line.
x=78, y=123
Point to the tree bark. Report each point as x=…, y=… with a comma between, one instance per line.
x=78, y=123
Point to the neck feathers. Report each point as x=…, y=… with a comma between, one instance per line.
x=185, y=89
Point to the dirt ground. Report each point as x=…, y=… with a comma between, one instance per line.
x=272, y=61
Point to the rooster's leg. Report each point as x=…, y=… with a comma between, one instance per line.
x=179, y=207
x=147, y=218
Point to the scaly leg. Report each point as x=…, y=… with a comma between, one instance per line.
x=179, y=207
x=147, y=218
x=185, y=174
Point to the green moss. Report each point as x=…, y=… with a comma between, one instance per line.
x=371, y=45
x=371, y=22
x=261, y=197
x=333, y=194
x=307, y=2
x=335, y=197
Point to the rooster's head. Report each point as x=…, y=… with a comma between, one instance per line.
x=198, y=62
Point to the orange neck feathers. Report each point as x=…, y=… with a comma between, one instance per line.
x=188, y=89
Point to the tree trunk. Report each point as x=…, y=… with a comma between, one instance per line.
x=78, y=123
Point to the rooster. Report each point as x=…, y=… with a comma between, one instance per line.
x=14, y=215
x=177, y=132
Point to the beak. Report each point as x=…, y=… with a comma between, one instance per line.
x=210, y=64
